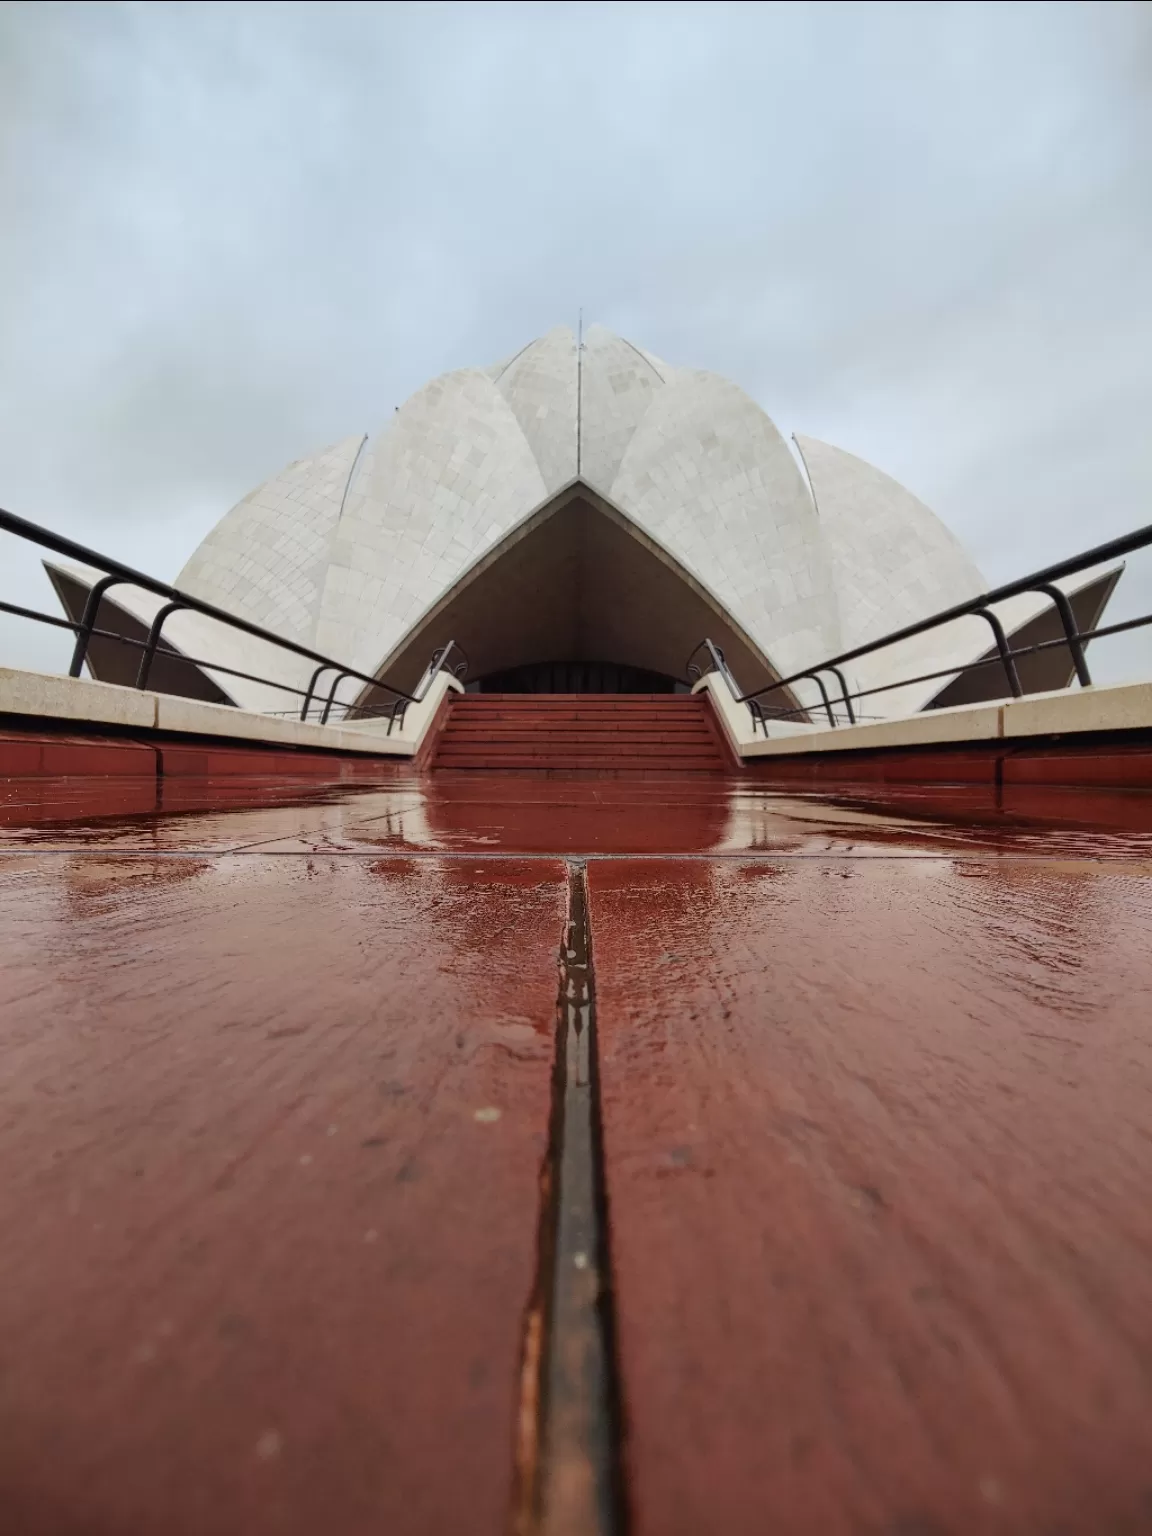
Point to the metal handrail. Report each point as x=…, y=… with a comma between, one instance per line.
x=116, y=572
x=1101, y=633
x=1006, y=656
x=168, y=652
x=1012, y=655
x=1039, y=581
x=395, y=712
x=719, y=662
x=986, y=661
x=438, y=663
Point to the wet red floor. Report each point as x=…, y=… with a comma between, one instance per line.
x=878, y=1141
x=876, y=1084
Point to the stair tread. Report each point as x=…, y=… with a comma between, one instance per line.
x=462, y=708
x=578, y=731
x=704, y=765
x=549, y=733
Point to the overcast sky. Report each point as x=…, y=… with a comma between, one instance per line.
x=230, y=234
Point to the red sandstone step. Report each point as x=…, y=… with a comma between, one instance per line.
x=577, y=733
x=584, y=733
x=589, y=748
x=607, y=730
x=577, y=701
x=568, y=763
x=584, y=748
x=551, y=733
x=607, y=721
x=570, y=710
x=579, y=748
x=615, y=731
x=568, y=698
x=459, y=712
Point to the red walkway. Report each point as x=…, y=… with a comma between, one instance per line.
x=277, y=1097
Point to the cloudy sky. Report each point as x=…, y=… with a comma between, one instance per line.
x=230, y=234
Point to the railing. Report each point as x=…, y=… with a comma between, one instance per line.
x=117, y=573
x=438, y=663
x=1073, y=639
x=719, y=664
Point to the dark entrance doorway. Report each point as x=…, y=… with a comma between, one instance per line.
x=577, y=677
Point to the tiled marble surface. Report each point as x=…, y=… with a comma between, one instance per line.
x=266, y=559
x=350, y=548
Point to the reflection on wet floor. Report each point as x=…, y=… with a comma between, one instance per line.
x=272, y=1140
x=878, y=1152
x=494, y=813
x=277, y=1113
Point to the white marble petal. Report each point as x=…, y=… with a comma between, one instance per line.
x=348, y=550
x=893, y=561
x=617, y=386
x=540, y=386
x=708, y=476
x=449, y=475
x=265, y=560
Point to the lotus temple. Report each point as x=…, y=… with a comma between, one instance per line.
x=577, y=517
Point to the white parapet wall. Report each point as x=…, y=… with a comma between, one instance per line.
x=46, y=696
x=1068, y=712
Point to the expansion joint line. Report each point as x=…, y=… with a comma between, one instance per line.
x=569, y=1439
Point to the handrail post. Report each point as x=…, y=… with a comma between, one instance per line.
x=115, y=572
x=845, y=700
x=1002, y=646
x=313, y=680
x=435, y=662
x=824, y=695
x=88, y=622
x=722, y=667
x=154, y=641
x=336, y=681
x=1071, y=631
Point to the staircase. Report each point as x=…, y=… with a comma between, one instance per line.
x=610, y=732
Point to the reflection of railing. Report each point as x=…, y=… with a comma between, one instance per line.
x=1073, y=639
x=116, y=573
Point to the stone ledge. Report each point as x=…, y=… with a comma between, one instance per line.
x=47, y=696
x=1070, y=711
x=939, y=727
x=44, y=696
x=1115, y=707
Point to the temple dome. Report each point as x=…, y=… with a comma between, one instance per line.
x=354, y=550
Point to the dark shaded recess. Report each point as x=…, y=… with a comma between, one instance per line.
x=577, y=677
x=111, y=662
x=577, y=586
x=1042, y=672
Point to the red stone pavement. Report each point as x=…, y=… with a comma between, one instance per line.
x=877, y=1081
x=879, y=1159
x=271, y=1133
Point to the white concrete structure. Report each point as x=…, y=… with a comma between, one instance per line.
x=1066, y=713
x=43, y=696
x=573, y=504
